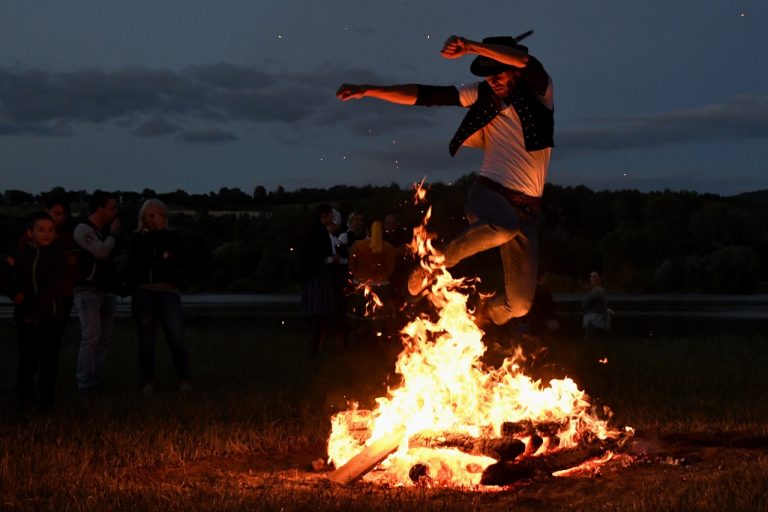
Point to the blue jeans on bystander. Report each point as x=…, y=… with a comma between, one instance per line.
x=96, y=309
x=152, y=309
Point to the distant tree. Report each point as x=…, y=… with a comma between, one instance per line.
x=177, y=199
x=732, y=269
x=259, y=193
x=231, y=199
x=132, y=198
x=278, y=192
x=18, y=197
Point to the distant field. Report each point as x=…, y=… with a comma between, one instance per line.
x=259, y=415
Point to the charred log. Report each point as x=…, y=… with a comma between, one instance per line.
x=418, y=472
x=527, y=428
x=507, y=472
x=503, y=448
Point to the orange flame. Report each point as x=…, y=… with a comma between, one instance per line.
x=372, y=301
x=446, y=388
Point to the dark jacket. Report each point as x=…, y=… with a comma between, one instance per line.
x=317, y=248
x=97, y=272
x=153, y=257
x=44, y=276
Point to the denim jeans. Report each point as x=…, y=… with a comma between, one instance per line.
x=96, y=310
x=496, y=222
x=152, y=309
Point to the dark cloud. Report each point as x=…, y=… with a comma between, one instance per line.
x=37, y=130
x=206, y=136
x=742, y=117
x=155, y=127
x=157, y=102
x=31, y=101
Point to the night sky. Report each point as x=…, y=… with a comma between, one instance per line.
x=200, y=95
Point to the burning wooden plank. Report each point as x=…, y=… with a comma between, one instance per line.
x=367, y=459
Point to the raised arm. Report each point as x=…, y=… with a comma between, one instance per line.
x=402, y=94
x=456, y=47
x=85, y=237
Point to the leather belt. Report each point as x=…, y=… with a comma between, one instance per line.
x=513, y=196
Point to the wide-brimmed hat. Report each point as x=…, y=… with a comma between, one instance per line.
x=485, y=66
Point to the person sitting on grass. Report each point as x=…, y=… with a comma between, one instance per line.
x=153, y=261
x=41, y=289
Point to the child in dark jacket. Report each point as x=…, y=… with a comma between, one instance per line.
x=41, y=289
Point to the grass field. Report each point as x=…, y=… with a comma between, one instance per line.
x=259, y=414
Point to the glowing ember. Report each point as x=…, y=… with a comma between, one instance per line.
x=445, y=388
x=589, y=467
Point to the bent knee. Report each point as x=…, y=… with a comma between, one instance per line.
x=519, y=307
x=509, y=309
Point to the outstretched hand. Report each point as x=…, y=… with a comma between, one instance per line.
x=350, y=92
x=454, y=47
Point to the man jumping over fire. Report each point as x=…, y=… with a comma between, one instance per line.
x=510, y=116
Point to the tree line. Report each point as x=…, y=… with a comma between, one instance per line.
x=653, y=242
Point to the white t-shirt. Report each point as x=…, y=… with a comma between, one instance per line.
x=505, y=159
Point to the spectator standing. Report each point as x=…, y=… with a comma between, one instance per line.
x=597, y=316
x=153, y=261
x=355, y=230
x=320, y=298
x=542, y=318
x=60, y=213
x=94, y=293
x=398, y=237
x=371, y=264
x=41, y=289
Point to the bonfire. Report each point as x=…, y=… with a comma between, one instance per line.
x=455, y=421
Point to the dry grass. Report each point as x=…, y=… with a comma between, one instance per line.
x=259, y=415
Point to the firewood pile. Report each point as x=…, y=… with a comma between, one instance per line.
x=525, y=450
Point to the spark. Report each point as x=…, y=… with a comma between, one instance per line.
x=279, y=36
x=428, y=36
